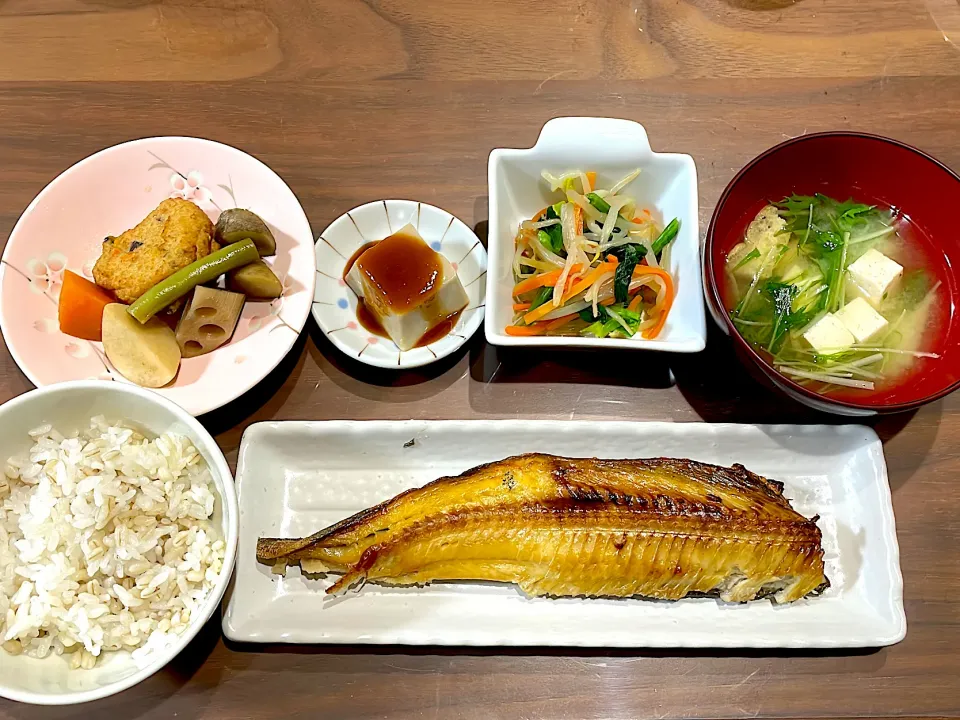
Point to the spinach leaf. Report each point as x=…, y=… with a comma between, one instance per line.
x=601, y=329
x=624, y=273
x=587, y=314
x=551, y=238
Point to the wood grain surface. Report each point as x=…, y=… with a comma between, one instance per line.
x=352, y=101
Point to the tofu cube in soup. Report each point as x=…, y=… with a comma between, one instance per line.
x=863, y=322
x=829, y=335
x=874, y=273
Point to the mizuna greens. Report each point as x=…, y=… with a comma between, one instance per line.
x=821, y=286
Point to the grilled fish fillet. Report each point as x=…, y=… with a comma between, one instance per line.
x=658, y=528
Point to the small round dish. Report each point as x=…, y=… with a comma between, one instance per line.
x=113, y=190
x=335, y=305
x=871, y=169
x=69, y=407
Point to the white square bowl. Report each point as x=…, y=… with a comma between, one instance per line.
x=613, y=148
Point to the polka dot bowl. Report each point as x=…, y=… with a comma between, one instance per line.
x=335, y=305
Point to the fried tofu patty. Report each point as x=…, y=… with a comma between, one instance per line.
x=171, y=237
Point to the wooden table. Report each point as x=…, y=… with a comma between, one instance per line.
x=353, y=101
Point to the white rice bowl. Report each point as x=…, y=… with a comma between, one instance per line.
x=105, y=542
x=118, y=526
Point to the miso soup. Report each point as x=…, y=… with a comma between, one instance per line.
x=841, y=297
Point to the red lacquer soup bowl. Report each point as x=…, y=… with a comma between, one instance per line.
x=869, y=169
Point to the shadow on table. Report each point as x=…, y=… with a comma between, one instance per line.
x=272, y=387
x=450, y=651
x=591, y=366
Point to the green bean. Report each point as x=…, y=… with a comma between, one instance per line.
x=666, y=237
x=204, y=270
x=598, y=202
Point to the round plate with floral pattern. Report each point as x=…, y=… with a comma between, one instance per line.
x=112, y=191
x=335, y=305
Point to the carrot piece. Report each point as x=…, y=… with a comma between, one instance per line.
x=652, y=332
x=590, y=278
x=524, y=330
x=578, y=218
x=537, y=281
x=538, y=313
x=577, y=288
x=592, y=179
x=80, y=310
x=536, y=218
x=635, y=302
x=547, y=278
x=650, y=270
x=521, y=306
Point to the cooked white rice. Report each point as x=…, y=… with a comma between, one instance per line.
x=106, y=542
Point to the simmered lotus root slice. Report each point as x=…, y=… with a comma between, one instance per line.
x=208, y=321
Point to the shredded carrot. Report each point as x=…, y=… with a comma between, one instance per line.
x=578, y=287
x=578, y=218
x=521, y=306
x=612, y=258
x=538, y=313
x=538, y=281
x=652, y=332
x=659, y=272
x=525, y=330
x=536, y=218
x=590, y=278
x=639, y=220
x=592, y=179
x=646, y=211
x=635, y=303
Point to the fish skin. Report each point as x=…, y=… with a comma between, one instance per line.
x=659, y=528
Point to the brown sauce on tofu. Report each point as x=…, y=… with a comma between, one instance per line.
x=356, y=256
x=406, y=273
x=440, y=330
x=368, y=321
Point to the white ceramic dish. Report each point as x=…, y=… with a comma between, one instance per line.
x=613, y=148
x=114, y=189
x=296, y=478
x=335, y=305
x=69, y=406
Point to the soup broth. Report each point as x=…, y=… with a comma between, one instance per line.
x=841, y=297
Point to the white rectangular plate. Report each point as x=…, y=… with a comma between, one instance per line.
x=295, y=478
